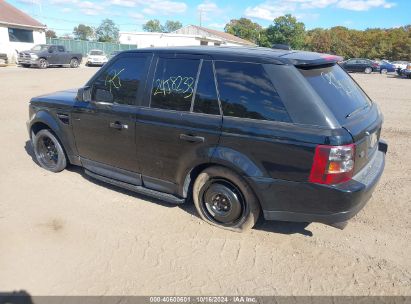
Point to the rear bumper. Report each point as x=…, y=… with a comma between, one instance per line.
x=307, y=202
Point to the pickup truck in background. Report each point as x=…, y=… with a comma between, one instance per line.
x=45, y=55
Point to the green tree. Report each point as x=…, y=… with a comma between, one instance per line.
x=107, y=31
x=51, y=34
x=83, y=32
x=153, y=26
x=287, y=30
x=245, y=29
x=172, y=26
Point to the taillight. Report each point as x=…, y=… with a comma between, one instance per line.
x=332, y=164
x=375, y=65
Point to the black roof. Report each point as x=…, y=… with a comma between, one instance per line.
x=259, y=54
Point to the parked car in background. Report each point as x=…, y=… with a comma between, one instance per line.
x=45, y=55
x=288, y=134
x=386, y=67
x=96, y=58
x=407, y=71
x=3, y=59
x=400, y=65
x=360, y=65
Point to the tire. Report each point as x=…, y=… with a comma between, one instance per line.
x=74, y=63
x=368, y=70
x=43, y=63
x=384, y=71
x=49, y=152
x=223, y=199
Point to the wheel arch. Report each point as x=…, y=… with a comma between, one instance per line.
x=45, y=120
x=186, y=187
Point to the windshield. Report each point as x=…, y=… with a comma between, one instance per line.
x=39, y=47
x=337, y=89
x=96, y=53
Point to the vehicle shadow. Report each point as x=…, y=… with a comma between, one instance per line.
x=268, y=226
x=15, y=297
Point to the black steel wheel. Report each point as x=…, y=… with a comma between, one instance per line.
x=43, y=63
x=49, y=152
x=224, y=199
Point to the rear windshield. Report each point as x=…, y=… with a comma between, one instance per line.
x=338, y=90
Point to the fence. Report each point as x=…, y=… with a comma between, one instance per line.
x=82, y=46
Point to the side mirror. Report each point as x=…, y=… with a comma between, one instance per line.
x=84, y=94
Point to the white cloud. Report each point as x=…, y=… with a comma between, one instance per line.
x=209, y=10
x=217, y=25
x=66, y=10
x=153, y=7
x=270, y=10
x=364, y=5
x=138, y=17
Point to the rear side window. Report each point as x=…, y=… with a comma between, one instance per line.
x=338, y=90
x=173, y=84
x=120, y=81
x=206, y=100
x=247, y=91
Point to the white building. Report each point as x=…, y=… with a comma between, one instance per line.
x=18, y=31
x=186, y=36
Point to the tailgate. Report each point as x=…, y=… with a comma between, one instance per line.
x=365, y=128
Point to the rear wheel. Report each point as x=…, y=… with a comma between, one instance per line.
x=49, y=152
x=368, y=70
x=43, y=63
x=74, y=63
x=224, y=199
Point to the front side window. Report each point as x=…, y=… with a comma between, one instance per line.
x=20, y=35
x=120, y=82
x=60, y=48
x=173, y=84
x=247, y=91
x=206, y=100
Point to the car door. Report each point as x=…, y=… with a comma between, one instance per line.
x=349, y=65
x=104, y=128
x=180, y=125
x=62, y=55
x=53, y=56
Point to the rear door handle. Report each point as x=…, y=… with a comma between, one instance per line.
x=118, y=125
x=192, y=138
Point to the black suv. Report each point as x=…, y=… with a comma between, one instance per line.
x=237, y=130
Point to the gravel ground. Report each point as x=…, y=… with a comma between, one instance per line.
x=65, y=234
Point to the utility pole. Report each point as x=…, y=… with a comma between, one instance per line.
x=201, y=15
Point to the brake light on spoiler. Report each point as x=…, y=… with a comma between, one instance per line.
x=332, y=164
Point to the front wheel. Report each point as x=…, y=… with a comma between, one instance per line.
x=49, y=152
x=74, y=63
x=223, y=199
x=43, y=63
x=368, y=70
x=384, y=71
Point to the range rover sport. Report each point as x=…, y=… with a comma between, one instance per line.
x=239, y=131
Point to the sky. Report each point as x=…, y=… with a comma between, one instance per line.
x=130, y=15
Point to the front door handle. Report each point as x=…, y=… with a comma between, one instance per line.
x=192, y=138
x=118, y=125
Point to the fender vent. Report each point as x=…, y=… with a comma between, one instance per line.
x=64, y=118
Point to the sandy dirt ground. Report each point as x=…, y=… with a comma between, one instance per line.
x=65, y=234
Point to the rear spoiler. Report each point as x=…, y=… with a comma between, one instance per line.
x=309, y=59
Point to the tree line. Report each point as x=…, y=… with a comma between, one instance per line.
x=393, y=43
